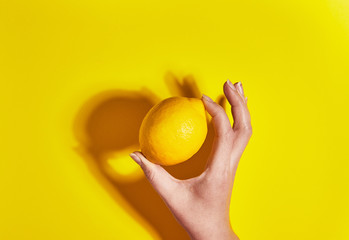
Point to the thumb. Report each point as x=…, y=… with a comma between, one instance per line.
x=163, y=182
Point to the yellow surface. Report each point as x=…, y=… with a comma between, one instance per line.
x=173, y=130
x=65, y=66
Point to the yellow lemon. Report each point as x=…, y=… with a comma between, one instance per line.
x=173, y=130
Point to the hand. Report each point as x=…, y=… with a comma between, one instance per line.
x=201, y=204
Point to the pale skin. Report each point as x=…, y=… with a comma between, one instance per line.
x=201, y=204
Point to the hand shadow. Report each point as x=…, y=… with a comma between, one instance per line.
x=107, y=125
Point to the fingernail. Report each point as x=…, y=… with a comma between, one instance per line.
x=135, y=158
x=207, y=98
x=240, y=89
x=231, y=85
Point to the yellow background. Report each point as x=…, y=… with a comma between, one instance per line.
x=57, y=57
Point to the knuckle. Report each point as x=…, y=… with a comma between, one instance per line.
x=226, y=135
x=149, y=174
x=218, y=110
x=222, y=180
x=246, y=130
x=238, y=99
x=219, y=178
x=151, y=177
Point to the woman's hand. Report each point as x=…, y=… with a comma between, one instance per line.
x=201, y=204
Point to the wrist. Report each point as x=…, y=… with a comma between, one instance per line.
x=215, y=235
x=214, y=232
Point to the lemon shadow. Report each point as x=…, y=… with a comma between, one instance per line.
x=109, y=122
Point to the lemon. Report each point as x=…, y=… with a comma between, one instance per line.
x=173, y=130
